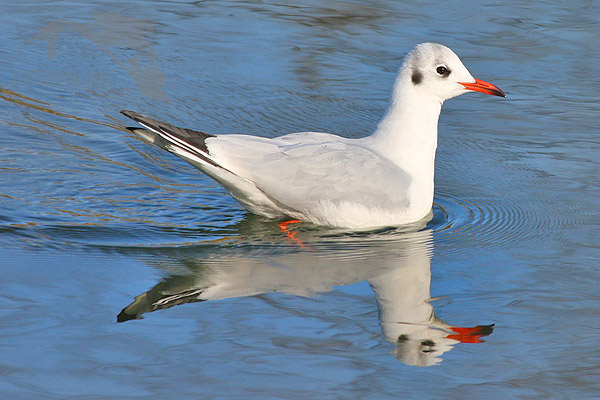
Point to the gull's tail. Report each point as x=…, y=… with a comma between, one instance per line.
x=186, y=143
x=192, y=146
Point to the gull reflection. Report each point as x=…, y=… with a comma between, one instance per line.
x=396, y=265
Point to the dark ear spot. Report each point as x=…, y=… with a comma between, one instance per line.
x=416, y=77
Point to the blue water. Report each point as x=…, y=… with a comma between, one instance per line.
x=97, y=225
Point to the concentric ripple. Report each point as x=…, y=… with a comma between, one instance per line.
x=505, y=221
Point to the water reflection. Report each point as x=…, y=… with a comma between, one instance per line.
x=396, y=264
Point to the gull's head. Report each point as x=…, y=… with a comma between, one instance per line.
x=434, y=70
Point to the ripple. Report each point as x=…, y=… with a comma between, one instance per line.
x=499, y=222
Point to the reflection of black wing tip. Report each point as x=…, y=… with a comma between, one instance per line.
x=124, y=316
x=146, y=302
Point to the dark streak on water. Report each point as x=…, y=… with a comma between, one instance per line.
x=91, y=216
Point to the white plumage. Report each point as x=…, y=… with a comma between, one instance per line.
x=385, y=179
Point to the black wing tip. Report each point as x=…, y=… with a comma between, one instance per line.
x=132, y=114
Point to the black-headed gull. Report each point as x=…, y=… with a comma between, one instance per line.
x=385, y=179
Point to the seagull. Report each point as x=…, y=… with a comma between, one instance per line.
x=385, y=179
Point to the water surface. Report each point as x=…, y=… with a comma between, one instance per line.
x=97, y=225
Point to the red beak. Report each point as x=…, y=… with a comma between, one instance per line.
x=484, y=87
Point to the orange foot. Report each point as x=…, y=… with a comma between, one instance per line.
x=471, y=335
x=291, y=235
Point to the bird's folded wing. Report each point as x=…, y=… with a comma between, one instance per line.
x=301, y=169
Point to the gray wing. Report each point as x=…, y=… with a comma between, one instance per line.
x=296, y=171
x=301, y=169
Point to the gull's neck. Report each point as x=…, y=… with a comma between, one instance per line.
x=407, y=136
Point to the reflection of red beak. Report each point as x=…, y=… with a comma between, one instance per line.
x=484, y=87
x=471, y=335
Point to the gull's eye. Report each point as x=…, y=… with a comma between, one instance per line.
x=442, y=70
